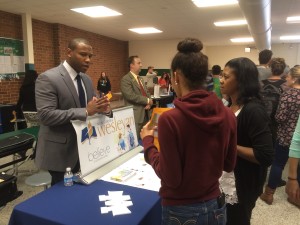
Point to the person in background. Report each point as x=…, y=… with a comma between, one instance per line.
x=264, y=59
x=216, y=71
x=277, y=66
x=103, y=85
x=274, y=87
x=209, y=82
x=285, y=72
x=190, y=166
x=164, y=82
x=26, y=100
x=292, y=187
x=151, y=77
x=65, y=93
x=239, y=81
x=151, y=71
x=135, y=93
x=286, y=116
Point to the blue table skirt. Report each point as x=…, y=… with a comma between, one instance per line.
x=80, y=205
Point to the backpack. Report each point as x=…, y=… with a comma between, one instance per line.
x=209, y=82
x=8, y=189
x=271, y=96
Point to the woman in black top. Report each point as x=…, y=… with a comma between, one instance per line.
x=239, y=80
x=26, y=100
x=103, y=85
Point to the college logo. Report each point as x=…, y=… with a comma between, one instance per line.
x=88, y=132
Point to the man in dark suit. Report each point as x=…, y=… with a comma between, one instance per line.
x=65, y=93
x=135, y=93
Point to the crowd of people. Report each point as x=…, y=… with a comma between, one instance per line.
x=251, y=132
x=265, y=100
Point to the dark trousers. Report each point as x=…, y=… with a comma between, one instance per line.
x=240, y=213
x=139, y=126
x=58, y=176
x=281, y=158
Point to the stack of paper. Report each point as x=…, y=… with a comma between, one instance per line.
x=115, y=202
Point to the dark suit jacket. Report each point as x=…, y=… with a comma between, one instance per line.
x=133, y=96
x=57, y=104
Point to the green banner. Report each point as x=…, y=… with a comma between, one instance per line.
x=12, y=63
x=11, y=47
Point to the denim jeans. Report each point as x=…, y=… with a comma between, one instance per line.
x=281, y=158
x=206, y=213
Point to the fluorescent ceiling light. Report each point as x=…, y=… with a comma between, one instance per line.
x=145, y=30
x=97, y=11
x=293, y=19
x=209, y=3
x=247, y=49
x=230, y=23
x=240, y=40
x=289, y=38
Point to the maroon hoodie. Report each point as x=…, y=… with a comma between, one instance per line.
x=197, y=142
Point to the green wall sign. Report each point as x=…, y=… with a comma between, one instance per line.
x=11, y=58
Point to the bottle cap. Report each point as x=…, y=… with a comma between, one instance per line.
x=68, y=169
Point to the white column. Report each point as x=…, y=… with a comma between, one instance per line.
x=298, y=54
x=28, y=41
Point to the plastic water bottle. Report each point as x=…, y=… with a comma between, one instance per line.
x=68, y=177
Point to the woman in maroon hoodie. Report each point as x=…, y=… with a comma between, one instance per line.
x=197, y=142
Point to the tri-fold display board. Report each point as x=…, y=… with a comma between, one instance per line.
x=105, y=143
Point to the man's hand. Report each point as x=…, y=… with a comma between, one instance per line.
x=150, y=102
x=98, y=105
x=148, y=106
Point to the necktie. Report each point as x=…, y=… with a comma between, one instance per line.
x=81, y=92
x=141, y=87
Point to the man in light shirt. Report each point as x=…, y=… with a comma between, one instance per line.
x=151, y=76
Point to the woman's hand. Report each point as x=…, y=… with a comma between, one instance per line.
x=292, y=189
x=147, y=130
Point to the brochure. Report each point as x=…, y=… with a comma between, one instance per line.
x=123, y=175
x=154, y=122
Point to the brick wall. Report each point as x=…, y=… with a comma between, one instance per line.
x=43, y=47
x=50, y=42
x=9, y=91
x=110, y=55
x=10, y=27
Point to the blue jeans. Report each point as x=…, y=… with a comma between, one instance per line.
x=206, y=213
x=281, y=157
